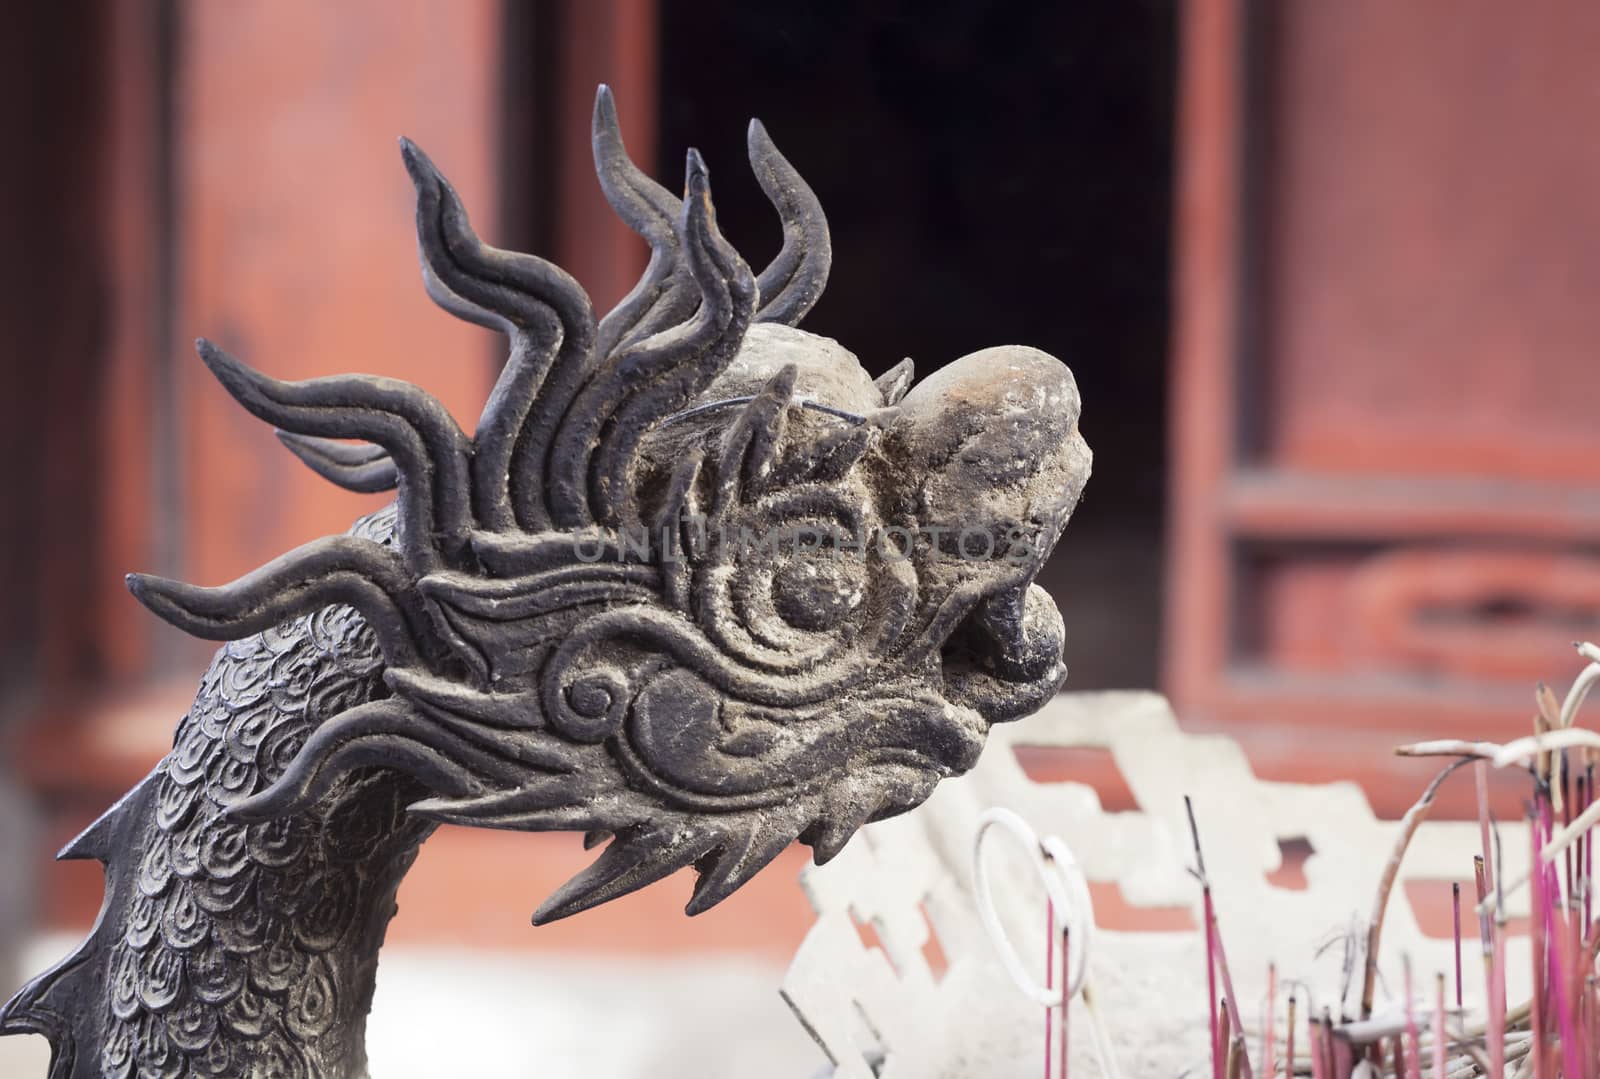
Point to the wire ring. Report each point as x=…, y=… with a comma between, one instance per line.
x=1064, y=884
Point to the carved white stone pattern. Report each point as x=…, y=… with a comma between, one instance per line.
x=880, y=1011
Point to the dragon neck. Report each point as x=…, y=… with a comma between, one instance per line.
x=231, y=949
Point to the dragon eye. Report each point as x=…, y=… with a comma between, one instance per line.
x=817, y=591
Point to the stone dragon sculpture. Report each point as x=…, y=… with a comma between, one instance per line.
x=696, y=586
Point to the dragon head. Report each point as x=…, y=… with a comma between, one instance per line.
x=697, y=583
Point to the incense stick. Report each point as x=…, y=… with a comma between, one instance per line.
x=1455, y=912
x=1408, y=828
x=1269, y=1028
x=1050, y=982
x=1412, y=1043
x=1439, y=1044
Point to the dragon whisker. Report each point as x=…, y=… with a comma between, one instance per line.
x=791, y=285
x=333, y=569
x=390, y=733
x=364, y=468
x=429, y=449
x=663, y=296
x=601, y=433
x=538, y=304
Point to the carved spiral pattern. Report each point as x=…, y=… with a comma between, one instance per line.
x=780, y=556
x=239, y=951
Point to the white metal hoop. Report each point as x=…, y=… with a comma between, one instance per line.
x=1064, y=884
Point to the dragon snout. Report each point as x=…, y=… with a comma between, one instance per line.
x=993, y=440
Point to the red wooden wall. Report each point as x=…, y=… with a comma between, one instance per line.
x=1386, y=481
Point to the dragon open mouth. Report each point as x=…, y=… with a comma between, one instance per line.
x=1004, y=661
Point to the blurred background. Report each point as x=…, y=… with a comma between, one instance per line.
x=1324, y=272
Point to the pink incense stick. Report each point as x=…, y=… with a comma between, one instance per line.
x=1555, y=943
x=1565, y=1004
x=1230, y=999
x=1566, y=818
x=1481, y=773
x=1574, y=898
x=1438, y=1024
x=1218, y=1055
x=1342, y=1056
x=1455, y=906
x=1413, y=1039
x=1050, y=981
x=1480, y=882
x=1496, y=1035
x=1572, y=963
x=1552, y=927
x=1216, y=964
x=1066, y=1003
x=1288, y=1042
x=1224, y=1031
x=1588, y=853
x=1211, y=988
x=1269, y=1063
x=1537, y=1011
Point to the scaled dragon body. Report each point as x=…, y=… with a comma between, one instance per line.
x=696, y=586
